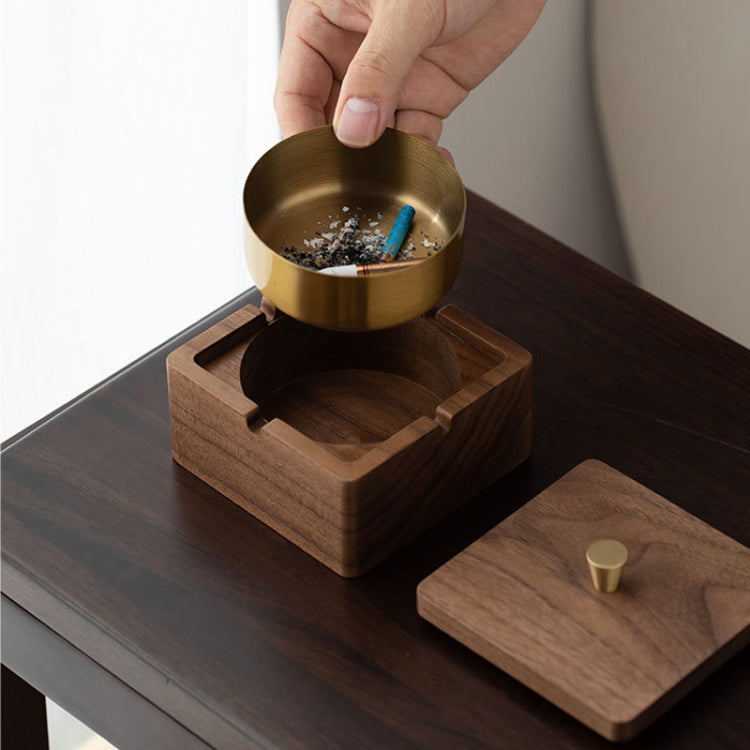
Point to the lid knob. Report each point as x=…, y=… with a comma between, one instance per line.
x=606, y=559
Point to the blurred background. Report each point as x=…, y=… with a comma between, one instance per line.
x=621, y=129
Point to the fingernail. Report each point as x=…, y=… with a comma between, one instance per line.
x=358, y=123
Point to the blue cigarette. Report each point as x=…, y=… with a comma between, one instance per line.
x=396, y=236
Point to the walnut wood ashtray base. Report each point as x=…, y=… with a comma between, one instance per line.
x=350, y=444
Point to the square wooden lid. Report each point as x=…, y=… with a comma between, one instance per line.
x=522, y=597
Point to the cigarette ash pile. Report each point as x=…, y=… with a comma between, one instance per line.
x=347, y=243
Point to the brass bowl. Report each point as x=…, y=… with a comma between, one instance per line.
x=309, y=181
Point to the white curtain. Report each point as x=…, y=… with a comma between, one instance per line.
x=128, y=129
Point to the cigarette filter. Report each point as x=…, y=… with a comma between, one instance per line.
x=395, y=237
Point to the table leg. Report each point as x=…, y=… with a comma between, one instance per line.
x=24, y=715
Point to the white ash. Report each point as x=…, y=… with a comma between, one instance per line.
x=426, y=242
x=350, y=245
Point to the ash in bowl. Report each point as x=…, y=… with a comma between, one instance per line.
x=350, y=241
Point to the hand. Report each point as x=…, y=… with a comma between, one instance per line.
x=370, y=64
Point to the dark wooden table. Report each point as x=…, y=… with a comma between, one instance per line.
x=164, y=616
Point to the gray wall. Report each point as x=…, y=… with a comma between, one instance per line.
x=676, y=121
x=527, y=138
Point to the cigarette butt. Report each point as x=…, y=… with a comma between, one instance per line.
x=368, y=269
x=347, y=271
x=395, y=237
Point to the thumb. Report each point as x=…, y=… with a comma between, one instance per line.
x=370, y=91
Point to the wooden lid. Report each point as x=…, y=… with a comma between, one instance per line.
x=522, y=597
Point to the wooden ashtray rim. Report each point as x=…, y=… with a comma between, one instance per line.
x=246, y=323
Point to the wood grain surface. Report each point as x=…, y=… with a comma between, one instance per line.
x=350, y=444
x=521, y=596
x=247, y=642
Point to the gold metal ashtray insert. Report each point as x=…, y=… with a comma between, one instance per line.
x=311, y=181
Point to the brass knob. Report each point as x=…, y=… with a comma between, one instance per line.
x=606, y=559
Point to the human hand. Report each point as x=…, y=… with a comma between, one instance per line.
x=365, y=65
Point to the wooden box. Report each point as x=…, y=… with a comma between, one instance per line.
x=350, y=444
